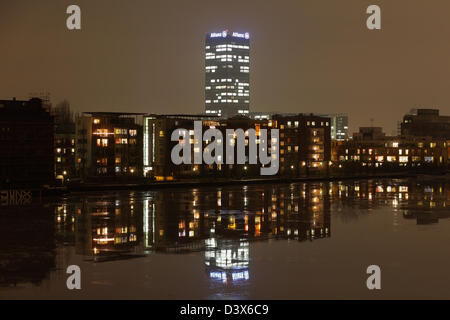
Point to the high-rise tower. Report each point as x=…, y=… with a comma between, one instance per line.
x=227, y=70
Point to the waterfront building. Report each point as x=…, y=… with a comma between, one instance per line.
x=65, y=151
x=64, y=142
x=26, y=143
x=426, y=123
x=338, y=122
x=227, y=73
x=157, y=145
x=109, y=144
x=304, y=143
x=379, y=151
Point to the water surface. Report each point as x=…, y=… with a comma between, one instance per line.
x=284, y=241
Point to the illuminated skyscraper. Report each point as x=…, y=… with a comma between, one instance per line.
x=227, y=70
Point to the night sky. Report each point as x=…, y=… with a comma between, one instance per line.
x=306, y=56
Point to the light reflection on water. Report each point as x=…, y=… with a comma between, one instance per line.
x=217, y=227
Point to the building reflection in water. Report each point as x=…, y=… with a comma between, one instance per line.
x=27, y=244
x=104, y=229
x=424, y=201
x=219, y=222
x=223, y=222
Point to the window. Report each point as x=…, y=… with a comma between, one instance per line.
x=121, y=141
x=391, y=158
x=133, y=133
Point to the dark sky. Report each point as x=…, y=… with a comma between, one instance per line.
x=306, y=55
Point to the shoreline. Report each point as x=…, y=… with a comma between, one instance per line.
x=149, y=186
x=92, y=187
